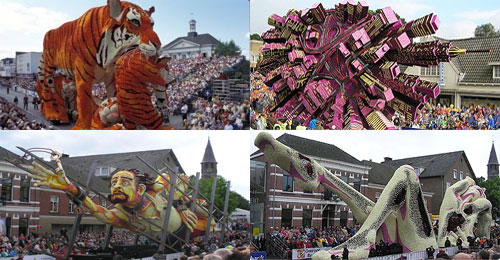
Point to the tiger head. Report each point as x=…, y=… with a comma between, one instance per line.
x=129, y=26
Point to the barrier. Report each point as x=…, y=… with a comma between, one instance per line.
x=416, y=255
x=31, y=257
x=307, y=253
x=258, y=256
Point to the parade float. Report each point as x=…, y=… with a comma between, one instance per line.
x=167, y=210
x=342, y=66
x=77, y=77
x=400, y=214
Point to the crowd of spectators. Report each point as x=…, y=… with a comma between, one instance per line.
x=297, y=238
x=14, y=118
x=234, y=246
x=185, y=95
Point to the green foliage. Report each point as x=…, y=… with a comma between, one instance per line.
x=235, y=199
x=486, y=30
x=380, y=10
x=227, y=49
x=256, y=37
x=492, y=192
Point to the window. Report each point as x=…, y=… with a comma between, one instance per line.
x=448, y=185
x=429, y=71
x=287, y=182
x=23, y=226
x=345, y=179
x=25, y=190
x=102, y=172
x=286, y=218
x=454, y=174
x=496, y=72
x=307, y=218
x=54, y=204
x=461, y=175
x=6, y=194
x=71, y=208
x=343, y=218
x=377, y=195
x=357, y=184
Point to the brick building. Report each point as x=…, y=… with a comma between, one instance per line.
x=49, y=210
x=277, y=202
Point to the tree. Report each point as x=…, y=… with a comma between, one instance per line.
x=235, y=199
x=227, y=49
x=486, y=30
x=492, y=191
x=380, y=10
x=256, y=37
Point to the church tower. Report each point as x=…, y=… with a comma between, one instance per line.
x=208, y=164
x=493, y=163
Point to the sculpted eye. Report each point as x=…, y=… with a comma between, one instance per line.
x=125, y=183
x=135, y=22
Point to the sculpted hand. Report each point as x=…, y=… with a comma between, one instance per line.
x=189, y=218
x=48, y=178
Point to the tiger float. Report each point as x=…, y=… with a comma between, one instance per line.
x=132, y=108
x=83, y=50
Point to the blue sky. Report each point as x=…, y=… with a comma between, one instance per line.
x=24, y=22
x=458, y=18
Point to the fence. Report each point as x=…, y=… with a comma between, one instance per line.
x=307, y=253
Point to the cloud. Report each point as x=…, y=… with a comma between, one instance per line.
x=457, y=30
x=477, y=15
x=23, y=27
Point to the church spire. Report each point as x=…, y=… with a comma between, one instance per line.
x=493, y=166
x=208, y=164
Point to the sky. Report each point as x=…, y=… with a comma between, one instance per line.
x=458, y=18
x=230, y=147
x=25, y=22
x=375, y=145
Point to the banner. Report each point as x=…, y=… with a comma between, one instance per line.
x=257, y=255
x=3, y=226
x=306, y=253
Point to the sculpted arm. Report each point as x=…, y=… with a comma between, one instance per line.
x=59, y=181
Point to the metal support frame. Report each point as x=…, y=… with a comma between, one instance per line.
x=78, y=219
x=226, y=204
x=109, y=232
x=193, y=202
x=211, y=209
x=174, y=173
x=168, y=209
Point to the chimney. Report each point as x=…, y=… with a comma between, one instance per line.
x=387, y=159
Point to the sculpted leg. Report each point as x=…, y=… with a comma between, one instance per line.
x=85, y=104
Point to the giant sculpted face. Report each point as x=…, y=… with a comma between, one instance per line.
x=400, y=214
x=124, y=188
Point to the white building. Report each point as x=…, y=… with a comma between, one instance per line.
x=192, y=45
x=7, y=68
x=27, y=64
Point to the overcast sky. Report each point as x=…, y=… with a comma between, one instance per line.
x=25, y=22
x=230, y=147
x=458, y=18
x=375, y=145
